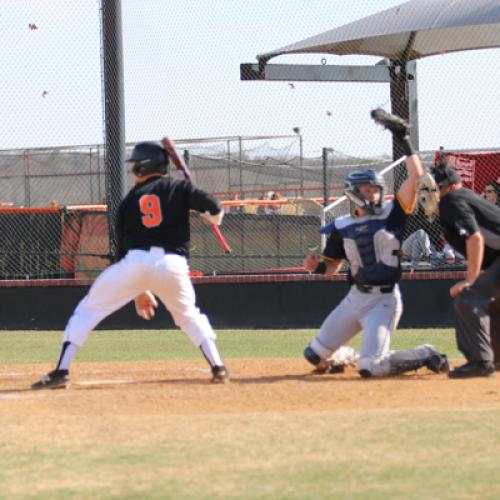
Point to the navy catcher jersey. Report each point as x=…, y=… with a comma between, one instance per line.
x=464, y=213
x=156, y=213
x=370, y=244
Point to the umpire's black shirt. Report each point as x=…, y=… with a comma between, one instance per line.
x=463, y=213
x=156, y=213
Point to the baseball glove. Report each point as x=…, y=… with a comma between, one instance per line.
x=428, y=195
x=399, y=127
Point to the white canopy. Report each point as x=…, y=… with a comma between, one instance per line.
x=416, y=29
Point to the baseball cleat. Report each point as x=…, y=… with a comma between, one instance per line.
x=220, y=375
x=56, y=379
x=438, y=363
x=399, y=127
x=474, y=369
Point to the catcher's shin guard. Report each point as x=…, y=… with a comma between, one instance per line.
x=438, y=363
x=407, y=365
x=311, y=356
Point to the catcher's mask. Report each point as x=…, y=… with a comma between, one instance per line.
x=428, y=195
x=364, y=177
x=148, y=158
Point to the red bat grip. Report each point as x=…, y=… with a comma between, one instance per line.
x=169, y=146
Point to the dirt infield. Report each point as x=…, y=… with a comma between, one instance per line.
x=183, y=387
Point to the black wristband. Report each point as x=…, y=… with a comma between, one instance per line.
x=406, y=146
x=321, y=267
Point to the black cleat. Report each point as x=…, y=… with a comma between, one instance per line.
x=438, y=363
x=220, y=375
x=56, y=379
x=396, y=125
x=474, y=369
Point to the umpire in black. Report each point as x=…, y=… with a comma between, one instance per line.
x=472, y=227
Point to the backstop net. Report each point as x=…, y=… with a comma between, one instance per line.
x=55, y=222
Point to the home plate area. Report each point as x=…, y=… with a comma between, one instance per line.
x=257, y=385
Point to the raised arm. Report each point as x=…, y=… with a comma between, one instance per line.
x=400, y=129
x=407, y=193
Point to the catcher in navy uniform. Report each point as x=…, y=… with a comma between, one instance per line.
x=471, y=226
x=370, y=240
x=153, y=239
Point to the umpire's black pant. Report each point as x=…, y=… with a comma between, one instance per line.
x=474, y=326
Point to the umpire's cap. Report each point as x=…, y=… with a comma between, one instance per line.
x=148, y=157
x=444, y=176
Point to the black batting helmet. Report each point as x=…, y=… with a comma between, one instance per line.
x=148, y=158
x=362, y=177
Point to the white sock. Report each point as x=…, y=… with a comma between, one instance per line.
x=68, y=352
x=209, y=349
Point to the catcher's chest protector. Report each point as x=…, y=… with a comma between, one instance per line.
x=371, y=249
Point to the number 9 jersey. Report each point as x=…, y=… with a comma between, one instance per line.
x=156, y=213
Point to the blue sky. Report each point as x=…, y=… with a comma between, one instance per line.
x=181, y=65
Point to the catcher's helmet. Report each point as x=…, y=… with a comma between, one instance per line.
x=148, y=158
x=363, y=177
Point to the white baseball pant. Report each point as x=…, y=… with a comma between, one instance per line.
x=166, y=275
x=376, y=313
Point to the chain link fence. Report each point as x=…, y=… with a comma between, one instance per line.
x=54, y=212
x=273, y=184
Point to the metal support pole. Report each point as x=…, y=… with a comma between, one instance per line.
x=240, y=143
x=90, y=177
x=26, y=178
x=404, y=103
x=326, y=192
x=229, y=185
x=301, y=164
x=114, y=116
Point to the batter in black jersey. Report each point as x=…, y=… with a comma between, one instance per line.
x=153, y=242
x=472, y=226
x=156, y=213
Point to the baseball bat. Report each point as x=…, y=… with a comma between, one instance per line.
x=382, y=172
x=169, y=146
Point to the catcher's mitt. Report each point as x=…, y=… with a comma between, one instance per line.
x=399, y=127
x=428, y=195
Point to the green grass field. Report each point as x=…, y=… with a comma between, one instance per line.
x=448, y=453
x=137, y=345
